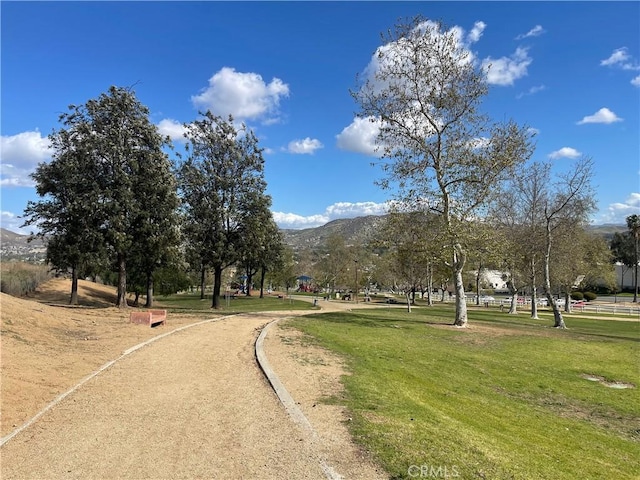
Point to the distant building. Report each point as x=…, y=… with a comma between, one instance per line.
x=624, y=276
x=492, y=280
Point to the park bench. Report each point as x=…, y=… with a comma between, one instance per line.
x=150, y=317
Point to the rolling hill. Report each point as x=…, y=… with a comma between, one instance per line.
x=356, y=231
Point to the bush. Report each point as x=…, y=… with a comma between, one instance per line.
x=20, y=278
x=590, y=296
x=577, y=296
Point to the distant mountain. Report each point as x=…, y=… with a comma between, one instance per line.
x=15, y=246
x=607, y=230
x=357, y=230
x=361, y=229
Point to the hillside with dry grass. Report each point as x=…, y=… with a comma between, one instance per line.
x=49, y=346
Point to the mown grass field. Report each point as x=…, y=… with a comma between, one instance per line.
x=506, y=398
x=192, y=304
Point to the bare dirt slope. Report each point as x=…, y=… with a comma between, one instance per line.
x=193, y=404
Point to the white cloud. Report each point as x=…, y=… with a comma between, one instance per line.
x=620, y=58
x=296, y=222
x=12, y=222
x=19, y=156
x=304, y=146
x=358, y=209
x=565, y=152
x=636, y=81
x=360, y=137
x=476, y=32
x=531, y=91
x=505, y=70
x=244, y=95
x=333, y=212
x=534, y=32
x=172, y=128
x=617, y=212
x=604, y=115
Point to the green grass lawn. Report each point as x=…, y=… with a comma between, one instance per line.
x=505, y=398
x=192, y=304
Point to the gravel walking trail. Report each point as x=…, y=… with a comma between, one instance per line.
x=193, y=404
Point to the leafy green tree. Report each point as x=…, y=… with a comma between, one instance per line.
x=105, y=153
x=129, y=152
x=273, y=254
x=110, y=142
x=633, y=224
x=437, y=147
x=69, y=215
x=171, y=279
x=414, y=240
x=284, y=274
x=579, y=258
x=330, y=270
x=219, y=182
x=623, y=251
x=155, y=224
x=255, y=238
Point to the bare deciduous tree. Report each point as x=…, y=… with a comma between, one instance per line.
x=424, y=92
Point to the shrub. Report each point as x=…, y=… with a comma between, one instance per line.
x=577, y=296
x=21, y=278
x=590, y=296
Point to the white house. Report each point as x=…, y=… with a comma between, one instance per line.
x=492, y=279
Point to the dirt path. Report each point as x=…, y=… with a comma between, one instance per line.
x=193, y=404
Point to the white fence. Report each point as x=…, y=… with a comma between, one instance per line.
x=626, y=308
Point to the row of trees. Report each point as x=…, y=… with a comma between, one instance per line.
x=626, y=251
x=462, y=184
x=409, y=254
x=113, y=201
x=452, y=170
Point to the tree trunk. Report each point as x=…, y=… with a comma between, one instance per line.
x=558, y=321
x=430, y=287
x=635, y=275
x=217, y=284
x=136, y=298
x=121, y=301
x=407, y=295
x=567, y=302
x=203, y=272
x=534, y=290
x=459, y=259
x=249, y=281
x=513, y=308
x=263, y=273
x=149, y=303
x=534, y=300
x=478, y=284
x=74, y=286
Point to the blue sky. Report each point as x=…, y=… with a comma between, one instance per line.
x=570, y=70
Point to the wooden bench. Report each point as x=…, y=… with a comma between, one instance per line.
x=150, y=317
